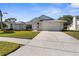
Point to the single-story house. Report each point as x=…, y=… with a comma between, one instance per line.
x=42, y=23
x=19, y=25
x=75, y=24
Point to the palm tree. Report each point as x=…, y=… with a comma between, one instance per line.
x=1, y=22
x=10, y=20
x=1, y=15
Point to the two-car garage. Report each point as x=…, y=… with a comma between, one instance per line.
x=52, y=25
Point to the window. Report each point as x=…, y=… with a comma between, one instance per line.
x=37, y=25
x=29, y=27
x=41, y=20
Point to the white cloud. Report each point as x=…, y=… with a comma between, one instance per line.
x=72, y=9
x=51, y=11
x=74, y=5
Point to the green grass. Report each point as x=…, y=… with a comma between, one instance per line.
x=7, y=47
x=74, y=34
x=20, y=34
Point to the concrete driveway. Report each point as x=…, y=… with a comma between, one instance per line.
x=49, y=43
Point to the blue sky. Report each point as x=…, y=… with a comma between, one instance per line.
x=27, y=11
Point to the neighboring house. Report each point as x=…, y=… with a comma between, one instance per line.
x=75, y=24
x=42, y=23
x=20, y=25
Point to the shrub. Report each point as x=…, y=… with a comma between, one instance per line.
x=8, y=30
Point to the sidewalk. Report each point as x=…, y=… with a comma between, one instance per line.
x=15, y=40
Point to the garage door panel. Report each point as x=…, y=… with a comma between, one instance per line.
x=51, y=26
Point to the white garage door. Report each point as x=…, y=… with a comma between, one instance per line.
x=51, y=26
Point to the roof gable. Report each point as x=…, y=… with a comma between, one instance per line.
x=42, y=17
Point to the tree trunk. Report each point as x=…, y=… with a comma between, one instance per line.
x=1, y=24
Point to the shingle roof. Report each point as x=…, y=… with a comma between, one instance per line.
x=29, y=23
x=42, y=17
x=20, y=22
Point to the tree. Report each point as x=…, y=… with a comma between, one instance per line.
x=3, y=25
x=1, y=15
x=67, y=18
x=10, y=20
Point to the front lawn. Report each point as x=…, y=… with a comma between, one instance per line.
x=19, y=34
x=74, y=34
x=7, y=47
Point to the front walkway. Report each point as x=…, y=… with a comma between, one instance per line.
x=49, y=44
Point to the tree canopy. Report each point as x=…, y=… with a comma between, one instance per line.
x=10, y=20
x=68, y=18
